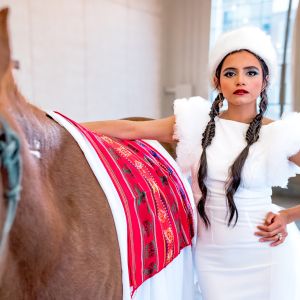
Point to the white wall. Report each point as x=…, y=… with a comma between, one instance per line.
x=102, y=59
x=89, y=59
x=186, y=33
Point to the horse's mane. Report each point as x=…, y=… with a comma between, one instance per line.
x=29, y=121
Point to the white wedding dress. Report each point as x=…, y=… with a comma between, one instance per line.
x=231, y=263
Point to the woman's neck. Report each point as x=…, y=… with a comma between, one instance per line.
x=245, y=115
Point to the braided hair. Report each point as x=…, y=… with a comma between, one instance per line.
x=235, y=170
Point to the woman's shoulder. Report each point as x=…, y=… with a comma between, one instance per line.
x=285, y=132
x=287, y=119
x=267, y=121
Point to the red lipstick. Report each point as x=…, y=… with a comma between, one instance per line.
x=241, y=92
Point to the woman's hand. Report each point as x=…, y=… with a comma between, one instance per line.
x=274, y=229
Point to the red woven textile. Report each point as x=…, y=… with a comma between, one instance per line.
x=157, y=208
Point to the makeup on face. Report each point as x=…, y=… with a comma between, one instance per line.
x=249, y=71
x=241, y=78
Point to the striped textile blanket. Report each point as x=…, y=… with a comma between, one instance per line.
x=156, y=204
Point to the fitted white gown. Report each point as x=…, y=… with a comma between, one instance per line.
x=231, y=263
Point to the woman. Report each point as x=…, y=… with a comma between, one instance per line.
x=235, y=156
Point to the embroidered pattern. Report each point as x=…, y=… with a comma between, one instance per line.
x=158, y=211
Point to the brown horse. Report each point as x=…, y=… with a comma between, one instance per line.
x=63, y=242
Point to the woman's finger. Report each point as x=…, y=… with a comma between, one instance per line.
x=268, y=230
x=278, y=242
x=275, y=238
x=269, y=218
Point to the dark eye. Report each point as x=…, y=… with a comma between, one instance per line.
x=229, y=74
x=252, y=73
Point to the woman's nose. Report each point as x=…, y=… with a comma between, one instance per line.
x=240, y=79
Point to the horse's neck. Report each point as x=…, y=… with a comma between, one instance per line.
x=37, y=225
x=42, y=141
x=39, y=230
x=40, y=135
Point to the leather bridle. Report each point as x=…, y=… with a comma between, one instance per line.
x=11, y=170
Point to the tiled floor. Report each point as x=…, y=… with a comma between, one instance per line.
x=287, y=202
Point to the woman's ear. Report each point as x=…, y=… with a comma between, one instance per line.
x=216, y=83
x=266, y=82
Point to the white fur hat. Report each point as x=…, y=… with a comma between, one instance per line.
x=246, y=38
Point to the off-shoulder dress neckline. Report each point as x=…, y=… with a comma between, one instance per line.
x=242, y=123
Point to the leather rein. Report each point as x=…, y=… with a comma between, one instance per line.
x=11, y=170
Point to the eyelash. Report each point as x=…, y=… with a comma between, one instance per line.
x=254, y=73
x=230, y=74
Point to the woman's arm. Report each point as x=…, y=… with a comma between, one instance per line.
x=160, y=129
x=274, y=229
x=292, y=214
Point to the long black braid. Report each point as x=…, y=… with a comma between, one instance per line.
x=207, y=137
x=252, y=136
x=235, y=170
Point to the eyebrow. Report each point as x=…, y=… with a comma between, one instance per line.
x=246, y=68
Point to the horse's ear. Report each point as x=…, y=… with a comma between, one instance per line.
x=4, y=43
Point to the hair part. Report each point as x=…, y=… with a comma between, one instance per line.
x=252, y=135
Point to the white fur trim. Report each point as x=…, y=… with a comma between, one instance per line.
x=284, y=143
x=191, y=116
x=248, y=38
